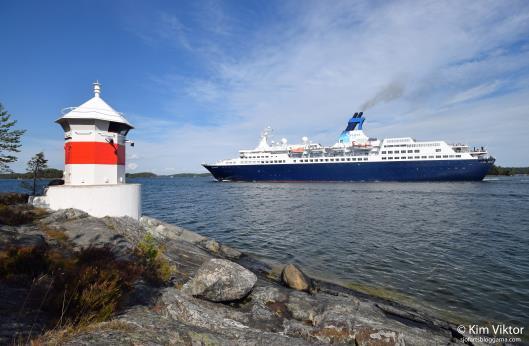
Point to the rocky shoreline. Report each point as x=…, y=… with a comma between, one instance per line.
x=214, y=295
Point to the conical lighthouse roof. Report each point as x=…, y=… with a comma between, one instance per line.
x=95, y=108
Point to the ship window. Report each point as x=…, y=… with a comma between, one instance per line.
x=348, y=159
x=423, y=157
x=445, y=156
x=343, y=159
x=365, y=158
x=430, y=157
x=383, y=152
x=332, y=159
x=417, y=151
x=311, y=160
x=294, y=160
x=451, y=155
x=438, y=156
x=326, y=160
x=390, y=158
x=390, y=152
x=417, y=157
x=410, y=151
x=403, y=151
x=383, y=158
x=437, y=150
x=410, y=157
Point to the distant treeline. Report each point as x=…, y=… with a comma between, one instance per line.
x=153, y=175
x=141, y=175
x=498, y=170
x=48, y=173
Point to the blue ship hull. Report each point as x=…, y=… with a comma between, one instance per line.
x=431, y=170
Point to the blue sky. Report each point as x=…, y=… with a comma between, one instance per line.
x=200, y=79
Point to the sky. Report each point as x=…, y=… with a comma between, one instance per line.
x=199, y=80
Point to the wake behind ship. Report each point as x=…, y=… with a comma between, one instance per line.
x=355, y=157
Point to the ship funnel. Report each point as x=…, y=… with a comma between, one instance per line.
x=360, y=114
x=354, y=116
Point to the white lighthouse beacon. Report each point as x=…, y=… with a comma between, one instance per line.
x=94, y=158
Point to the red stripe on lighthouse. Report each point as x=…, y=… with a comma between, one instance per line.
x=95, y=153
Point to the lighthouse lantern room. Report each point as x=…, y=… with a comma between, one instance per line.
x=94, y=158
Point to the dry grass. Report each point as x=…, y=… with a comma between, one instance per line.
x=83, y=288
x=61, y=336
x=19, y=214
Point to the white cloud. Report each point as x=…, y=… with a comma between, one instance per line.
x=305, y=75
x=476, y=92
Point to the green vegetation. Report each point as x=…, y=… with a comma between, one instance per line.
x=35, y=167
x=75, y=288
x=188, y=175
x=158, y=271
x=48, y=173
x=498, y=170
x=9, y=140
x=177, y=175
x=141, y=175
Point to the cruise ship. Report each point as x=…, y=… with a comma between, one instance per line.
x=355, y=157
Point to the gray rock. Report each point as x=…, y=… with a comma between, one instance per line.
x=303, y=307
x=63, y=215
x=366, y=336
x=267, y=295
x=220, y=280
x=294, y=278
x=126, y=226
x=163, y=231
x=212, y=246
x=230, y=252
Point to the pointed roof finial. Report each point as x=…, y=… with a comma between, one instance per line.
x=97, y=88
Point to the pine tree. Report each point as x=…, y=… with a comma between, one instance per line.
x=9, y=140
x=35, y=166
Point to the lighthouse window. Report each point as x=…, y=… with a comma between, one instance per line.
x=120, y=128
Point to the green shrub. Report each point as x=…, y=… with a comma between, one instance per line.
x=158, y=270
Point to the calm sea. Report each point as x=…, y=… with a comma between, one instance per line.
x=459, y=249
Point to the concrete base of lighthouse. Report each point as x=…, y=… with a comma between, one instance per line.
x=97, y=200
